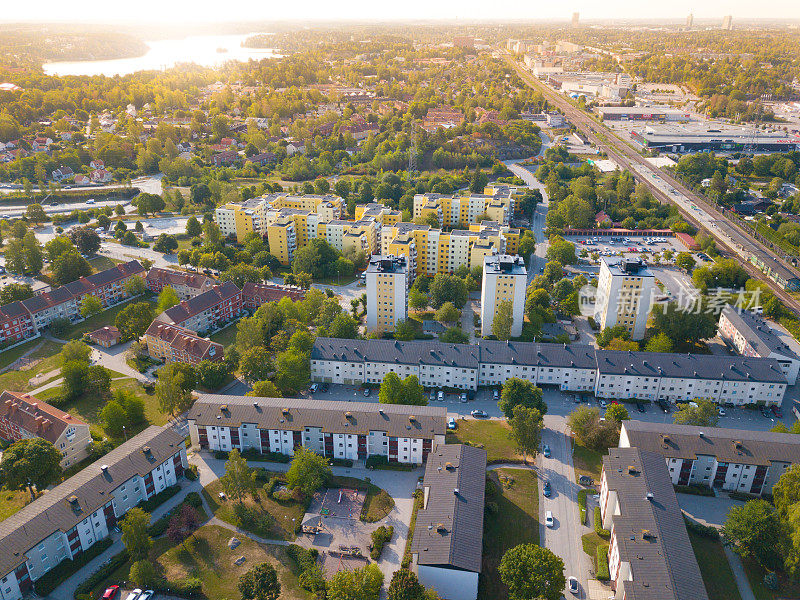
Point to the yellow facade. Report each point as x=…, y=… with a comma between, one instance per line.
x=280, y=237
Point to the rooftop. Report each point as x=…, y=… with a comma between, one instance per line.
x=449, y=526
x=627, y=267
x=193, y=306
x=387, y=264
x=35, y=416
x=504, y=264
x=762, y=338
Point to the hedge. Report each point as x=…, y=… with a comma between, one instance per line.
x=154, y=502
x=601, y=572
x=700, y=529
x=380, y=537
x=253, y=454
x=158, y=528
x=695, y=490
x=341, y=462
x=191, y=473
x=311, y=577
x=56, y=576
x=582, y=504
x=114, y=563
x=382, y=462
x=598, y=524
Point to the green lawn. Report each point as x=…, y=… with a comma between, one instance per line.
x=206, y=556
x=17, y=381
x=101, y=263
x=226, y=337
x=11, y=501
x=103, y=319
x=492, y=435
x=267, y=517
x=714, y=566
x=516, y=521
x=9, y=356
x=755, y=574
x=586, y=461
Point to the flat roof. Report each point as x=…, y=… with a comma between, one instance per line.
x=449, y=527
x=651, y=533
x=504, y=264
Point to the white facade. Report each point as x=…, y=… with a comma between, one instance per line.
x=450, y=584
x=505, y=279
x=624, y=295
x=387, y=292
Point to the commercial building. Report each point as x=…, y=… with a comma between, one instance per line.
x=650, y=376
x=505, y=279
x=456, y=210
x=256, y=294
x=23, y=416
x=171, y=343
x=672, y=138
x=642, y=113
x=650, y=556
x=739, y=460
x=24, y=319
x=625, y=290
x=347, y=430
x=388, y=279
x=751, y=335
x=613, y=86
x=447, y=544
x=73, y=516
x=208, y=311
x=186, y=285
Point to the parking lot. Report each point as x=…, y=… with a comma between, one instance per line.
x=625, y=246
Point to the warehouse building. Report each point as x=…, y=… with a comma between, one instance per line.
x=447, y=544
x=650, y=556
x=684, y=139
x=346, y=430
x=73, y=516
x=728, y=459
x=650, y=376
x=642, y=113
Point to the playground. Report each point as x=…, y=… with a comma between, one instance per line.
x=340, y=503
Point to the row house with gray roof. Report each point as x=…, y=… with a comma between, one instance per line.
x=73, y=516
x=568, y=367
x=345, y=430
x=728, y=459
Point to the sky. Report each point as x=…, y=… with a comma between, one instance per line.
x=199, y=11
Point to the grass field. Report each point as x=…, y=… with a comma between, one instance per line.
x=206, y=556
x=103, y=319
x=270, y=519
x=587, y=462
x=226, y=337
x=9, y=356
x=11, y=501
x=755, y=574
x=715, y=568
x=493, y=436
x=516, y=521
x=17, y=381
x=101, y=263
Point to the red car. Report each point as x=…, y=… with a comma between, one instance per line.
x=777, y=411
x=110, y=593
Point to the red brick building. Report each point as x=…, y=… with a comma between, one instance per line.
x=256, y=294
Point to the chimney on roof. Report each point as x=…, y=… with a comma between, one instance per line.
x=649, y=496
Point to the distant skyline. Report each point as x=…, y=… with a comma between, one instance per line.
x=204, y=11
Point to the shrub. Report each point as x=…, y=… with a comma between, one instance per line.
x=735, y=495
x=771, y=580
x=598, y=524
x=194, y=499
x=155, y=501
x=60, y=326
x=492, y=508
x=582, y=504
x=700, y=529
x=601, y=572
x=253, y=454
x=695, y=490
x=380, y=537
x=341, y=462
x=310, y=577
x=114, y=563
x=220, y=455
x=191, y=473
x=48, y=582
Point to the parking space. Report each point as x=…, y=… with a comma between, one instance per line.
x=620, y=245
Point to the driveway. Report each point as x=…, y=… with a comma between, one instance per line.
x=114, y=358
x=708, y=510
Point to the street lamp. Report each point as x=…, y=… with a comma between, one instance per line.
x=124, y=433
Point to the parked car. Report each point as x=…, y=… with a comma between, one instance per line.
x=603, y=403
x=367, y=392
x=451, y=423
x=573, y=585
x=548, y=519
x=495, y=395
x=147, y=595
x=776, y=410
x=91, y=201
x=432, y=396
x=766, y=412
x=440, y=396
x=576, y=399
x=463, y=396
x=546, y=451
x=585, y=480
x=640, y=407
x=134, y=594
x=110, y=593
x=482, y=414
x=547, y=489
x=314, y=388
x=721, y=411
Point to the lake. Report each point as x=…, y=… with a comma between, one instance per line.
x=204, y=50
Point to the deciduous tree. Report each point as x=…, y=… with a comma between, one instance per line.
x=518, y=391
x=135, y=535
x=308, y=472
x=260, y=583
x=526, y=430
x=503, y=320
x=30, y=463
x=239, y=479
x=530, y=572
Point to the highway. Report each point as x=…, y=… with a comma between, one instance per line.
x=663, y=186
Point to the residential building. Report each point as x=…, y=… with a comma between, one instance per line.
x=171, y=343
x=625, y=291
x=256, y=294
x=751, y=335
x=23, y=416
x=741, y=460
x=73, y=516
x=447, y=545
x=101, y=176
x=16, y=323
x=186, y=285
x=388, y=280
x=505, y=279
x=470, y=209
x=335, y=429
x=62, y=173
x=226, y=157
x=650, y=556
x=649, y=376
x=208, y=311
x=105, y=336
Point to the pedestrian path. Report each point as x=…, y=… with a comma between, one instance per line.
x=739, y=575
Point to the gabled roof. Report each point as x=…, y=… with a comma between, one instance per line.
x=37, y=417
x=449, y=528
x=410, y=353
x=331, y=416
x=173, y=277
x=761, y=337
x=740, y=446
x=579, y=356
x=193, y=306
x=92, y=488
x=13, y=310
x=185, y=340
x=271, y=292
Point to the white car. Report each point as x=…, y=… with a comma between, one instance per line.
x=134, y=594
x=572, y=583
x=721, y=411
x=440, y=396
x=548, y=520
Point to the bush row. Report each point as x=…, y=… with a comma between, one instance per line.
x=114, y=563
x=54, y=577
x=311, y=577
x=700, y=529
x=382, y=462
x=602, y=572
x=582, y=504
x=154, y=502
x=380, y=537
x=695, y=490
x=598, y=524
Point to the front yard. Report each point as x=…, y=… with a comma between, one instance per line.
x=715, y=568
x=587, y=461
x=492, y=435
x=511, y=518
x=46, y=355
x=11, y=501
